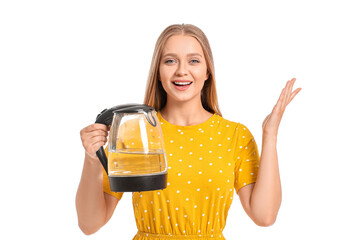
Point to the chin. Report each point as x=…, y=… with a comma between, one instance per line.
x=183, y=97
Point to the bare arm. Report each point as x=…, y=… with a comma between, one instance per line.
x=94, y=207
x=261, y=200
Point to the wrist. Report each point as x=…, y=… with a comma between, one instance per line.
x=271, y=136
x=92, y=160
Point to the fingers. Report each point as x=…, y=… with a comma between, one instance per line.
x=265, y=120
x=294, y=94
x=280, y=101
x=286, y=95
x=96, y=126
x=291, y=94
x=89, y=141
x=97, y=138
x=93, y=137
x=95, y=129
x=93, y=148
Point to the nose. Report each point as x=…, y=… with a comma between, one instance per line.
x=182, y=69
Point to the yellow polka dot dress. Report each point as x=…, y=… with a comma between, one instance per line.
x=207, y=163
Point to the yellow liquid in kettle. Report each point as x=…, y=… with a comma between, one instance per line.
x=132, y=162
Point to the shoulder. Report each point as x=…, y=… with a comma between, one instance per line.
x=223, y=122
x=239, y=129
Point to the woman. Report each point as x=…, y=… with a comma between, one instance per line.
x=208, y=156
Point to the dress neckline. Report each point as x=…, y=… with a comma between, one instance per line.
x=207, y=122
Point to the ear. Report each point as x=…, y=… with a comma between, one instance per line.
x=207, y=75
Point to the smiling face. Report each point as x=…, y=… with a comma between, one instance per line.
x=183, y=62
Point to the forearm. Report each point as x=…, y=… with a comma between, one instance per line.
x=266, y=196
x=90, y=201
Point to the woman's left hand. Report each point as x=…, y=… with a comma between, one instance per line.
x=272, y=121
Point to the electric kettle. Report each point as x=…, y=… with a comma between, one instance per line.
x=135, y=159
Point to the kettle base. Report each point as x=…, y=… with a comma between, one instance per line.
x=138, y=183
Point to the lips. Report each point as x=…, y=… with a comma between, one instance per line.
x=182, y=85
x=182, y=82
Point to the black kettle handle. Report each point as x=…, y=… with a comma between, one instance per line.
x=103, y=159
x=105, y=117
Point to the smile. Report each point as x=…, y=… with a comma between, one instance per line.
x=182, y=83
x=182, y=86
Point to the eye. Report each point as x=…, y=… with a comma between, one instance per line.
x=169, y=61
x=194, y=61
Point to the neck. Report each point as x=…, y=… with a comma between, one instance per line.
x=184, y=113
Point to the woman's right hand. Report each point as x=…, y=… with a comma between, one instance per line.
x=93, y=137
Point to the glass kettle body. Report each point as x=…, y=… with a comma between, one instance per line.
x=135, y=159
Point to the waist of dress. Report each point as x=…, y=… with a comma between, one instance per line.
x=178, y=236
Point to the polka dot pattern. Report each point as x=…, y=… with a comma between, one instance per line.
x=205, y=163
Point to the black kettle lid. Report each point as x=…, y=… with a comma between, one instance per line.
x=133, y=108
x=106, y=116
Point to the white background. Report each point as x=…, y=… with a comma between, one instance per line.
x=62, y=62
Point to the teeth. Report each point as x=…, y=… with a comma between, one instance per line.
x=183, y=83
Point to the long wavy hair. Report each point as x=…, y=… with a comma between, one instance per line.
x=155, y=94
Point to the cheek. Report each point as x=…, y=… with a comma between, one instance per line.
x=164, y=73
x=161, y=73
x=200, y=73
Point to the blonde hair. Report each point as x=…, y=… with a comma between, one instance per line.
x=155, y=94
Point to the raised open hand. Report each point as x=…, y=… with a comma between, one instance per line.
x=272, y=121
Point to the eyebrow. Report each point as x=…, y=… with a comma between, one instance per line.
x=190, y=54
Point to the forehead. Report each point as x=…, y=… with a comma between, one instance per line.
x=182, y=45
